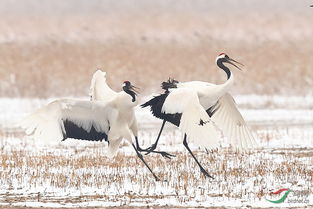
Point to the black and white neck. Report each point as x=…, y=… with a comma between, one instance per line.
x=220, y=60
x=129, y=89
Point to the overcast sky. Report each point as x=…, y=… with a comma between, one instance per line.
x=46, y=7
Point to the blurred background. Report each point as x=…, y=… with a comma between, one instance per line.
x=51, y=48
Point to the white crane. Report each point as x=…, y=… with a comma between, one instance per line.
x=100, y=91
x=198, y=108
x=111, y=120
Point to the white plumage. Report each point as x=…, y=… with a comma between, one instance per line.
x=99, y=89
x=198, y=108
x=230, y=121
x=220, y=104
x=226, y=117
x=84, y=114
x=194, y=122
x=110, y=116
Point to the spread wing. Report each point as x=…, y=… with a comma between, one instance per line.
x=226, y=115
x=63, y=119
x=99, y=89
x=195, y=122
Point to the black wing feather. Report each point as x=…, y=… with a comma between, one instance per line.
x=211, y=111
x=71, y=130
x=156, y=104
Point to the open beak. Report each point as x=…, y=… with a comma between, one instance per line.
x=232, y=62
x=134, y=89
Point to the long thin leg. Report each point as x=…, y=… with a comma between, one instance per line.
x=153, y=146
x=201, y=168
x=141, y=158
x=164, y=154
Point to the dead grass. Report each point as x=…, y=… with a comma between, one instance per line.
x=73, y=174
x=56, y=57
x=232, y=172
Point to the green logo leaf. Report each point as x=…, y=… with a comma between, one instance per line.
x=282, y=199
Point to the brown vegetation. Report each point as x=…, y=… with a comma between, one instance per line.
x=56, y=56
x=66, y=171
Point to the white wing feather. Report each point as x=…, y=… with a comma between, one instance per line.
x=99, y=89
x=46, y=124
x=229, y=119
x=186, y=101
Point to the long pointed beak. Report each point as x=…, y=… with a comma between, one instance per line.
x=232, y=62
x=134, y=88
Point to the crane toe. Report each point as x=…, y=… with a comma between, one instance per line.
x=206, y=174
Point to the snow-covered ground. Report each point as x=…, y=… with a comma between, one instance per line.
x=75, y=173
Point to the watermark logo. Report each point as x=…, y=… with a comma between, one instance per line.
x=297, y=196
x=278, y=192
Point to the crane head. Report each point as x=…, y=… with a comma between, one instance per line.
x=128, y=86
x=225, y=58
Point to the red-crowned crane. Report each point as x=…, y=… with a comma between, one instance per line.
x=111, y=120
x=198, y=108
x=100, y=91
